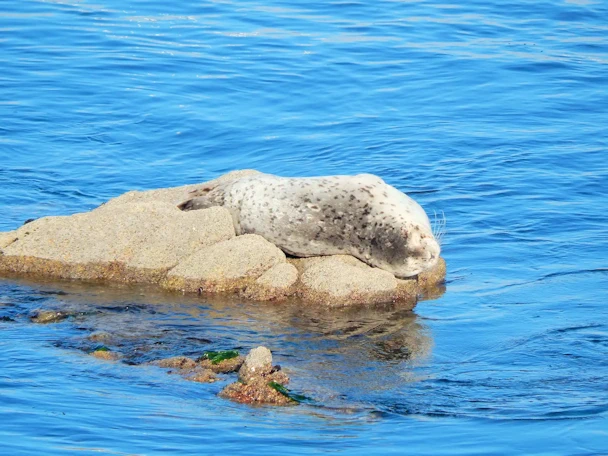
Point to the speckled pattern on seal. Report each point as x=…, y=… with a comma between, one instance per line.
x=358, y=215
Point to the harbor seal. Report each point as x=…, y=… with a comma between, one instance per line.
x=357, y=215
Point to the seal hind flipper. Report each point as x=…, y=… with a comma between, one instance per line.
x=198, y=198
x=204, y=197
x=193, y=204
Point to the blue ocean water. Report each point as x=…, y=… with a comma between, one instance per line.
x=493, y=114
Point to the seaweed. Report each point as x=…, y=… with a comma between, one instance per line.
x=287, y=393
x=217, y=357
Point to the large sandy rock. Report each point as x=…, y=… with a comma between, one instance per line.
x=137, y=241
x=144, y=237
x=226, y=266
x=7, y=238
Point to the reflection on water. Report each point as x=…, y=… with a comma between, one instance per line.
x=328, y=351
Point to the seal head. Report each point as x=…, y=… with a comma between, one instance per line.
x=357, y=215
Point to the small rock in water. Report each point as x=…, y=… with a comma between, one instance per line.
x=258, y=362
x=176, y=362
x=100, y=336
x=105, y=354
x=223, y=367
x=259, y=382
x=49, y=316
x=200, y=375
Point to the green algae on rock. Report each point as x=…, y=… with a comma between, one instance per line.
x=217, y=357
x=288, y=393
x=225, y=366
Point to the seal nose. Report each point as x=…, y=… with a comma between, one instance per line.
x=429, y=249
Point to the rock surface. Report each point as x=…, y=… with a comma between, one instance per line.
x=7, y=238
x=200, y=370
x=133, y=242
x=276, y=284
x=200, y=375
x=144, y=237
x=337, y=282
x=176, y=362
x=225, y=266
x=433, y=277
x=224, y=367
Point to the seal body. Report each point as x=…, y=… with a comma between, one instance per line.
x=357, y=215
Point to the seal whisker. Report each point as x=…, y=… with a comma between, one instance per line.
x=439, y=225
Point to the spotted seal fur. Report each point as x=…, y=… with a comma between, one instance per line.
x=357, y=215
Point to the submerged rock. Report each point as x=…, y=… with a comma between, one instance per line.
x=223, y=367
x=203, y=369
x=49, y=316
x=106, y=354
x=200, y=375
x=100, y=336
x=176, y=362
